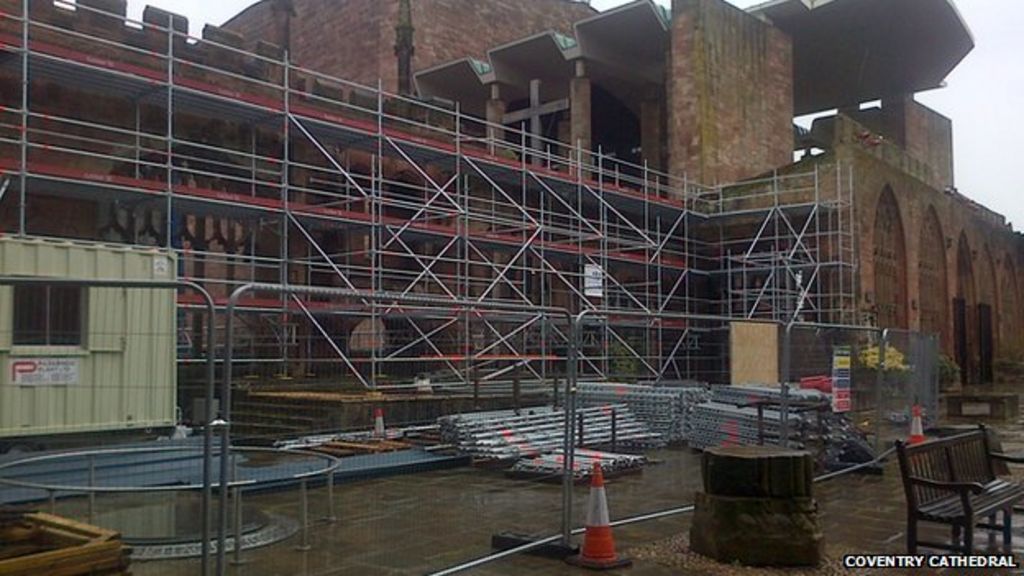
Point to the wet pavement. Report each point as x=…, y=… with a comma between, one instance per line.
x=422, y=523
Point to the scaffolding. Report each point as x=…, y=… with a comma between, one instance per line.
x=255, y=169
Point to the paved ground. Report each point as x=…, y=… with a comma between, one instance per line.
x=422, y=523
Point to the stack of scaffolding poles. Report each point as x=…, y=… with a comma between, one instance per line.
x=504, y=435
x=727, y=419
x=550, y=465
x=666, y=410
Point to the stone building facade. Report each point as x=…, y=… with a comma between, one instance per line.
x=705, y=92
x=355, y=39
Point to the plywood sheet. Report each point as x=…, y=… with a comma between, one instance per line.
x=754, y=354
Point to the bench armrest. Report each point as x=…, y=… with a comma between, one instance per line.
x=1010, y=458
x=972, y=487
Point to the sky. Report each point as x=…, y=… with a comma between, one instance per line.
x=983, y=96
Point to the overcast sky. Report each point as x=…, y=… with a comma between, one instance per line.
x=983, y=96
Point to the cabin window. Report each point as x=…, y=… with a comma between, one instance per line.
x=48, y=315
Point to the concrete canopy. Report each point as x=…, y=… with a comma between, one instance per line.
x=461, y=81
x=623, y=48
x=846, y=52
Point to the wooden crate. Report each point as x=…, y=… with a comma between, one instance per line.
x=46, y=544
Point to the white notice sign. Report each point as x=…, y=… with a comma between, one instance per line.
x=43, y=371
x=593, y=281
x=161, y=266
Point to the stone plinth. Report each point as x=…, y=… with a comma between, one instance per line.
x=983, y=407
x=757, y=508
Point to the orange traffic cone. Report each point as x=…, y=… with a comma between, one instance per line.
x=598, y=552
x=916, y=428
x=378, y=424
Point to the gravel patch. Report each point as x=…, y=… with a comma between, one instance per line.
x=675, y=552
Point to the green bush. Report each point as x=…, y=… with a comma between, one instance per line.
x=949, y=371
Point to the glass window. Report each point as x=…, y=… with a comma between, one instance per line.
x=48, y=315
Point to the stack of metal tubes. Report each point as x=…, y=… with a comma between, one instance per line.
x=506, y=436
x=666, y=410
x=550, y=466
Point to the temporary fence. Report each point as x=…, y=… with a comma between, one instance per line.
x=543, y=396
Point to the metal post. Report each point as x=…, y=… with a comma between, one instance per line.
x=516, y=399
x=330, y=518
x=784, y=417
x=568, y=447
x=304, y=515
x=169, y=147
x=23, y=177
x=225, y=440
x=286, y=217
x=207, y=492
x=615, y=436
x=92, y=493
x=879, y=382
x=579, y=427
x=476, y=388
x=787, y=355
x=237, y=561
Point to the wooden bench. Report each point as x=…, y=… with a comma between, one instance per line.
x=951, y=481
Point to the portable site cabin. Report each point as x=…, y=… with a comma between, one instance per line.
x=85, y=360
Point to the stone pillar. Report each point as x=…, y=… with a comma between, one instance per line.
x=496, y=108
x=652, y=129
x=729, y=118
x=580, y=108
x=757, y=507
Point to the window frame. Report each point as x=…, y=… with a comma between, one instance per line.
x=21, y=340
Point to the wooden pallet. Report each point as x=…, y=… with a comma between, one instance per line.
x=341, y=448
x=313, y=396
x=46, y=544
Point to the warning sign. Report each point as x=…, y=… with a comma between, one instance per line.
x=593, y=281
x=841, y=364
x=43, y=371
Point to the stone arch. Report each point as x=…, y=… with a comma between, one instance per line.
x=986, y=278
x=890, y=263
x=988, y=314
x=1010, y=328
x=933, y=292
x=965, y=329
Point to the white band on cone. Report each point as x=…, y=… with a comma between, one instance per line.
x=597, y=512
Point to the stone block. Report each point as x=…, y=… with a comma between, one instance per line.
x=983, y=407
x=164, y=19
x=757, y=531
x=757, y=471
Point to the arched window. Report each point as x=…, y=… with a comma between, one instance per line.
x=890, y=258
x=933, y=296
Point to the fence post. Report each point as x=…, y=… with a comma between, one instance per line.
x=237, y=560
x=879, y=382
x=92, y=486
x=516, y=399
x=330, y=518
x=579, y=426
x=787, y=358
x=304, y=516
x=568, y=445
x=614, y=430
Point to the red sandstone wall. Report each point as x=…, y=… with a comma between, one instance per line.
x=340, y=38
x=730, y=93
x=354, y=39
x=956, y=215
x=924, y=133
